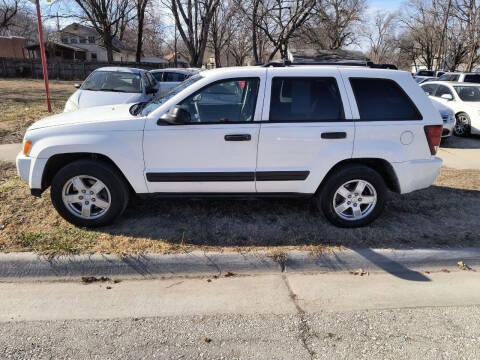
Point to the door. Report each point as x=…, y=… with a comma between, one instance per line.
x=306, y=129
x=215, y=150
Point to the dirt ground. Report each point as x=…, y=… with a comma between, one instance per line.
x=23, y=102
x=445, y=215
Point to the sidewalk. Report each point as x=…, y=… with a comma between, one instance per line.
x=8, y=152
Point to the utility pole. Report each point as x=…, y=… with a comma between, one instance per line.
x=42, y=53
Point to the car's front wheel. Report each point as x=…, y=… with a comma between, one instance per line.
x=89, y=193
x=462, y=126
x=353, y=196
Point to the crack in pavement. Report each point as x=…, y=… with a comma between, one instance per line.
x=305, y=330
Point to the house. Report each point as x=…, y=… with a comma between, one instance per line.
x=13, y=47
x=182, y=62
x=77, y=36
x=58, y=51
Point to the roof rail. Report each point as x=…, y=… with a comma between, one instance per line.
x=369, y=64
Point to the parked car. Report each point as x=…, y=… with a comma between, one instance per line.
x=429, y=73
x=167, y=79
x=339, y=135
x=113, y=85
x=460, y=77
x=448, y=117
x=463, y=99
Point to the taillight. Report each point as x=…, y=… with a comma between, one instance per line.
x=434, y=136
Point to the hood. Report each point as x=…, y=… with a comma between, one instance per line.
x=444, y=110
x=87, y=98
x=82, y=116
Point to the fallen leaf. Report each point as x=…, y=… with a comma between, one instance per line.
x=209, y=280
x=426, y=271
x=229, y=274
x=360, y=272
x=462, y=266
x=207, y=340
x=109, y=287
x=92, y=279
x=445, y=270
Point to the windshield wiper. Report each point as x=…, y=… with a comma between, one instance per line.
x=113, y=90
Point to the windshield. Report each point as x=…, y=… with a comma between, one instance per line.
x=468, y=93
x=160, y=99
x=117, y=81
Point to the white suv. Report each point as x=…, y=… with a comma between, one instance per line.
x=342, y=135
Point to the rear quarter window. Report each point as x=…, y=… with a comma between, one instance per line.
x=383, y=100
x=472, y=78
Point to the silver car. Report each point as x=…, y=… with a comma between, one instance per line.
x=448, y=117
x=113, y=85
x=167, y=79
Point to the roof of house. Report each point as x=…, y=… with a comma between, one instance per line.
x=56, y=43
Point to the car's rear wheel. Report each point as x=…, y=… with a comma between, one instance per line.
x=89, y=193
x=353, y=196
x=462, y=125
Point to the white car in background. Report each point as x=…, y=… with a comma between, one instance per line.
x=448, y=117
x=463, y=99
x=167, y=79
x=468, y=77
x=113, y=85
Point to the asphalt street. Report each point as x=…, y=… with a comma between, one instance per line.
x=282, y=316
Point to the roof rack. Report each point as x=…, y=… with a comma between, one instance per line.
x=325, y=63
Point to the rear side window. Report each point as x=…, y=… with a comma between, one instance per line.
x=305, y=99
x=158, y=75
x=472, y=78
x=383, y=99
x=443, y=90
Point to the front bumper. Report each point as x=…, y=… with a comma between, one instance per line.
x=417, y=174
x=31, y=171
x=448, y=125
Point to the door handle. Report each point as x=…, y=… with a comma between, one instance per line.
x=238, y=137
x=334, y=135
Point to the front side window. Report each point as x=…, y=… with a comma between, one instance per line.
x=173, y=77
x=158, y=75
x=113, y=81
x=442, y=90
x=383, y=99
x=305, y=99
x=429, y=89
x=449, y=77
x=468, y=93
x=225, y=101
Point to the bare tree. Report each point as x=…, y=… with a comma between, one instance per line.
x=193, y=19
x=469, y=15
x=107, y=17
x=8, y=10
x=221, y=30
x=380, y=35
x=333, y=24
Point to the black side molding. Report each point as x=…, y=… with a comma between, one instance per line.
x=334, y=135
x=238, y=137
x=228, y=176
x=281, y=175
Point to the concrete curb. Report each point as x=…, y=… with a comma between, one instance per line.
x=400, y=262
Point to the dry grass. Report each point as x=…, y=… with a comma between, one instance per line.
x=444, y=215
x=23, y=102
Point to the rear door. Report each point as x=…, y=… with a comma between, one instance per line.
x=306, y=129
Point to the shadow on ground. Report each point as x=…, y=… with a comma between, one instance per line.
x=436, y=217
x=456, y=142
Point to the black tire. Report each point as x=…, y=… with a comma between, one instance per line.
x=325, y=198
x=463, y=125
x=108, y=175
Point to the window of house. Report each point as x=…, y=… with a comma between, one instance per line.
x=383, y=99
x=93, y=56
x=65, y=40
x=225, y=101
x=305, y=99
x=91, y=39
x=73, y=40
x=83, y=40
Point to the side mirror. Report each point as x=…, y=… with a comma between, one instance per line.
x=177, y=116
x=77, y=85
x=448, y=97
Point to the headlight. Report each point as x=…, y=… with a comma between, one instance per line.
x=27, y=146
x=70, y=106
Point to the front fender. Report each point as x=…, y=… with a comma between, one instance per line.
x=124, y=148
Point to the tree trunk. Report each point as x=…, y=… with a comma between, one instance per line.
x=254, y=32
x=138, y=54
